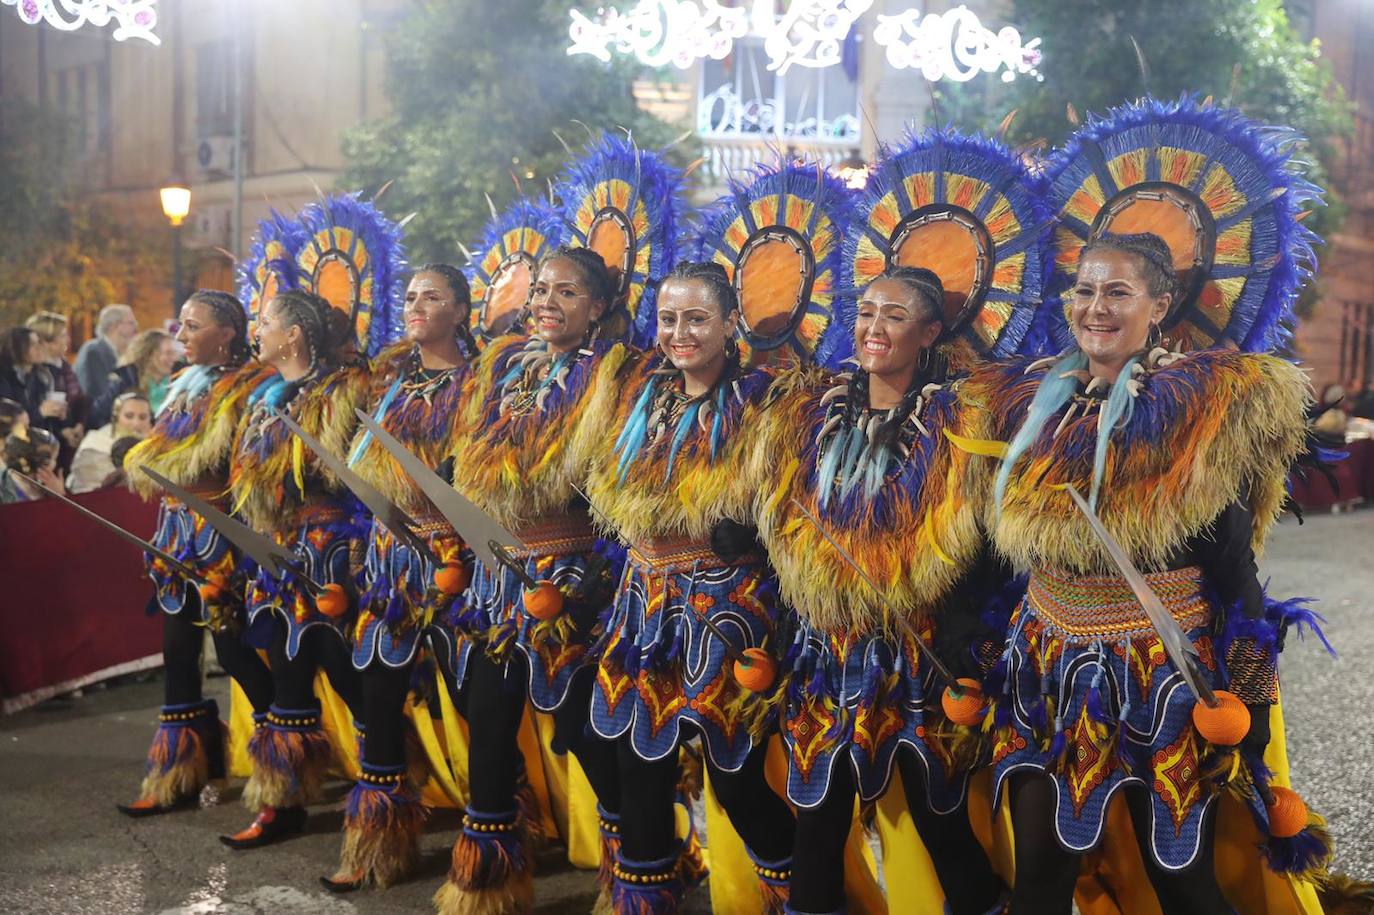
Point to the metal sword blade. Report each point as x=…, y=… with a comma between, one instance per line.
x=1171, y=635
x=926, y=651
x=172, y=562
x=478, y=529
x=401, y=525
x=277, y=560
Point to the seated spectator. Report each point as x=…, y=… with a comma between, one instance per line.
x=146, y=367
x=12, y=416
x=93, y=463
x=54, y=340
x=118, y=451
x=98, y=357
x=25, y=380
x=32, y=452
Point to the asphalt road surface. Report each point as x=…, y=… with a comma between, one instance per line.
x=65, y=849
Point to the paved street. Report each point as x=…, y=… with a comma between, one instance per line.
x=65, y=849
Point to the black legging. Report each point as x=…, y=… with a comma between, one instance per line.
x=648, y=828
x=1046, y=872
x=182, y=643
x=293, y=679
x=494, y=707
x=970, y=885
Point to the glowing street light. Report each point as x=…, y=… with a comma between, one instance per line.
x=176, y=204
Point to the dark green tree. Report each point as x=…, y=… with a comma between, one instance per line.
x=1243, y=53
x=477, y=91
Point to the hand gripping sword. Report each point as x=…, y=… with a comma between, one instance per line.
x=276, y=559
x=1179, y=650
x=172, y=562
x=926, y=651
x=401, y=525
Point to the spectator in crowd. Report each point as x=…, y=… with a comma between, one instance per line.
x=133, y=417
x=98, y=357
x=12, y=417
x=118, y=451
x=28, y=382
x=146, y=367
x=32, y=452
x=55, y=339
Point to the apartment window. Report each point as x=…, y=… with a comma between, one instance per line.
x=83, y=94
x=740, y=97
x=214, y=89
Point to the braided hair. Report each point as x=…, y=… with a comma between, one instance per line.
x=326, y=329
x=227, y=311
x=462, y=298
x=1156, y=261
x=930, y=295
x=714, y=277
x=601, y=282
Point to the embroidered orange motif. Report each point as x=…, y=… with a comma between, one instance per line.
x=1090, y=759
x=1176, y=777
x=662, y=696
x=808, y=728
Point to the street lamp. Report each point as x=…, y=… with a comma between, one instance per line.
x=176, y=203
x=853, y=171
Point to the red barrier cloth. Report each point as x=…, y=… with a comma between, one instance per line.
x=74, y=596
x=1354, y=478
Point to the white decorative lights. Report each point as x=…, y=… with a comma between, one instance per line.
x=811, y=33
x=132, y=18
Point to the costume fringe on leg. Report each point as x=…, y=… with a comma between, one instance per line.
x=775, y=877
x=492, y=869
x=382, y=827
x=290, y=754
x=610, y=850
x=1341, y=895
x=648, y=887
x=186, y=753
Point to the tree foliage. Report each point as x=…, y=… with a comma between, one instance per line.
x=477, y=92
x=1243, y=53
x=58, y=252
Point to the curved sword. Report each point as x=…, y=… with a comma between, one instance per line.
x=276, y=559
x=401, y=525
x=487, y=537
x=1171, y=635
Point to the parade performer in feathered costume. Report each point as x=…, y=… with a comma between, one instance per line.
x=278, y=488
x=416, y=388
x=1182, y=255
x=666, y=476
x=190, y=445
x=947, y=258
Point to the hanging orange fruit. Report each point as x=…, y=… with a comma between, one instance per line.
x=1224, y=724
x=756, y=671
x=966, y=706
x=452, y=578
x=1287, y=812
x=544, y=601
x=333, y=602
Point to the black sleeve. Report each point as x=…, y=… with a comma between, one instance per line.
x=963, y=640
x=1228, y=560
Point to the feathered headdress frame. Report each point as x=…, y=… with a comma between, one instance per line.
x=968, y=209
x=353, y=258
x=1227, y=195
x=271, y=263
x=624, y=202
x=780, y=234
x=502, y=267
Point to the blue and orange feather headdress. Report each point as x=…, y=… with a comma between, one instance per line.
x=502, y=267
x=968, y=209
x=271, y=263
x=779, y=234
x=624, y=202
x=353, y=258
x=1225, y=192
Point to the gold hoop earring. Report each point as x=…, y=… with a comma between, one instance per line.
x=1155, y=338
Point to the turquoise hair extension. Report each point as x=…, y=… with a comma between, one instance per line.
x=829, y=466
x=1114, y=414
x=631, y=438
x=1053, y=393
x=684, y=425
x=717, y=421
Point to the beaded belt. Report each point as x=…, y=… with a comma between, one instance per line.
x=320, y=513
x=214, y=494
x=1087, y=608
x=674, y=554
x=557, y=535
x=431, y=524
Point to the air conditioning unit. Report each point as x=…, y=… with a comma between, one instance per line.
x=210, y=226
x=215, y=155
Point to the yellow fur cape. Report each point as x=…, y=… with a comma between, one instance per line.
x=266, y=456
x=191, y=442
x=521, y=467
x=915, y=539
x=1204, y=429
x=426, y=429
x=703, y=489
